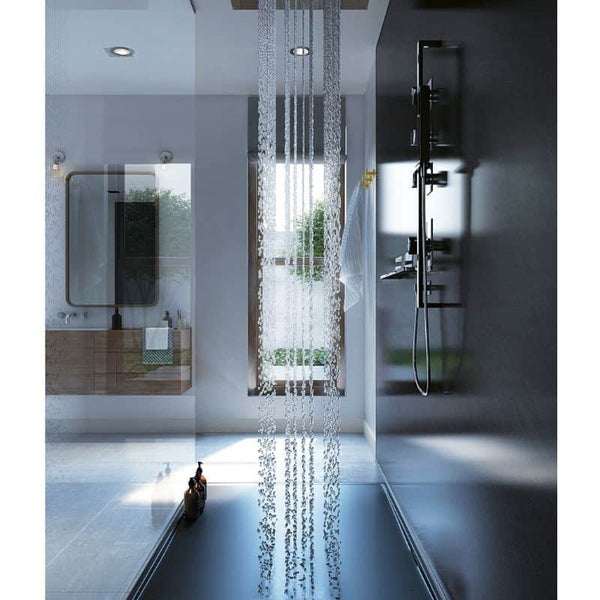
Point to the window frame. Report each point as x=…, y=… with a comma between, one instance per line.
x=253, y=286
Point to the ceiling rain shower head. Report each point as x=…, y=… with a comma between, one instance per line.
x=317, y=4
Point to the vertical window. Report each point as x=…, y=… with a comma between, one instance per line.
x=285, y=272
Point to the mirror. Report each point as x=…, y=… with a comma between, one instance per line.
x=112, y=238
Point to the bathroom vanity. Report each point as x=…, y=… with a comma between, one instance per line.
x=106, y=362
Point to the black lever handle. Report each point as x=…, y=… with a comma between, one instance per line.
x=415, y=177
x=440, y=179
x=442, y=245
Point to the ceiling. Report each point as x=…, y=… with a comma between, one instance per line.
x=161, y=32
x=178, y=52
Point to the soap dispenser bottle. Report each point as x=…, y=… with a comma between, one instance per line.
x=201, y=489
x=117, y=321
x=191, y=501
x=202, y=478
x=167, y=319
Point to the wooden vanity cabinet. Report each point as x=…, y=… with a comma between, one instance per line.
x=110, y=362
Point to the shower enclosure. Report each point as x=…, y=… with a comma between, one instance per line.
x=120, y=422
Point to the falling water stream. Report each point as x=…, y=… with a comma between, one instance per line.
x=299, y=310
x=266, y=319
x=332, y=235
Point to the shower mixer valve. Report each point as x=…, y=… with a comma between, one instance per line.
x=431, y=246
x=406, y=264
x=434, y=138
x=432, y=179
x=435, y=94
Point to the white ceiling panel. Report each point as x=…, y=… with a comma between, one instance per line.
x=177, y=52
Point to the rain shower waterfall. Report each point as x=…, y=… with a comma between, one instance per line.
x=292, y=230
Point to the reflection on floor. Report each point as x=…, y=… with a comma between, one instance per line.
x=483, y=508
x=214, y=557
x=109, y=497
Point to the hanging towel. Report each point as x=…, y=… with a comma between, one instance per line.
x=351, y=251
x=158, y=336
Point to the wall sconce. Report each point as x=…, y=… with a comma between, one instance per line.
x=57, y=159
x=165, y=158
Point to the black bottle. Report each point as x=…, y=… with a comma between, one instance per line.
x=201, y=489
x=191, y=501
x=117, y=321
x=200, y=477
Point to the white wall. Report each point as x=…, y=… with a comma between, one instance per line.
x=222, y=401
x=93, y=131
x=210, y=132
x=369, y=237
x=222, y=265
x=120, y=414
x=355, y=338
x=98, y=130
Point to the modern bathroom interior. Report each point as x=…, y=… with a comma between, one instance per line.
x=297, y=241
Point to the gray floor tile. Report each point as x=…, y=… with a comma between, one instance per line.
x=376, y=563
x=133, y=524
x=78, y=499
x=109, y=497
x=86, y=566
x=83, y=596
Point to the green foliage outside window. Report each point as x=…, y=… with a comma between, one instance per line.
x=303, y=240
x=174, y=219
x=282, y=355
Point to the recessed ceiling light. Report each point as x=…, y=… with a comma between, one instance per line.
x=300, y=51
x=120, y=51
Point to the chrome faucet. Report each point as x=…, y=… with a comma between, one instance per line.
x=67, y=317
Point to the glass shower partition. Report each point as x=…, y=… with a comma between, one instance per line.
x=120, y=402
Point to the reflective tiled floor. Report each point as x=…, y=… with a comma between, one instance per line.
x=109, y=498
x=483, y=508
x=375, y=562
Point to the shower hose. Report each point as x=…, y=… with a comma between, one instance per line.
x=424, y=390
x=422, y=282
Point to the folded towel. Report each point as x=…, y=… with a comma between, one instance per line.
x=162, y=356
x=157, y=338
x=351, y=251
